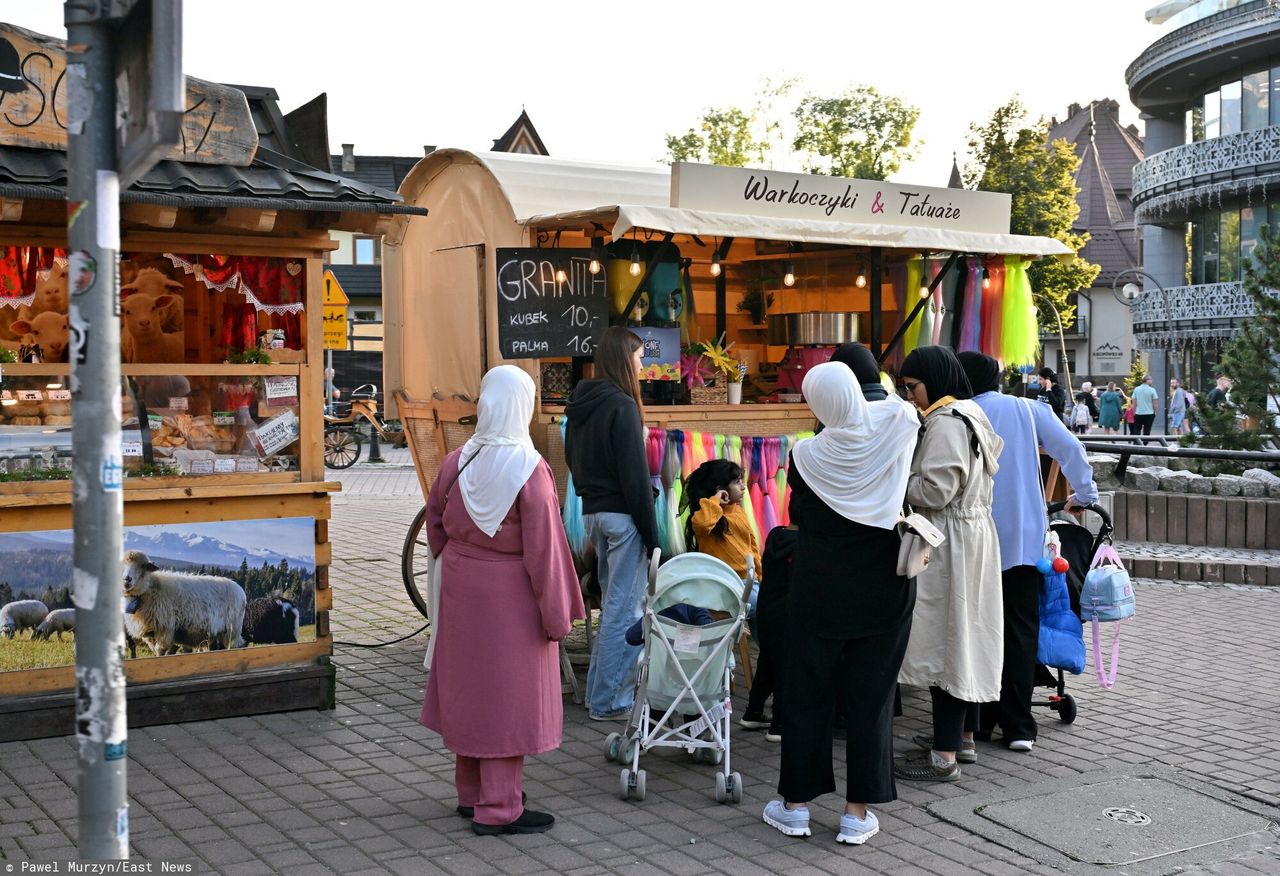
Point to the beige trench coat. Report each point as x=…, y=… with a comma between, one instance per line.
x=957, y=630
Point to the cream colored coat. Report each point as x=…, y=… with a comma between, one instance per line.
x=957, y=630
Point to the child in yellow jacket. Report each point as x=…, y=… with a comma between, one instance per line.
x=718, y=524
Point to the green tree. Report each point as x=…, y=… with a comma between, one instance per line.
x=731, y=136
x=1011, y=154
x=860, y=133
x=1137, y=372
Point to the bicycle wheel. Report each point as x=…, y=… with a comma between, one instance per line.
x=341, y=448
x=415, y=563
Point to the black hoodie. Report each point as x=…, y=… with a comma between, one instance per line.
x=604, y=446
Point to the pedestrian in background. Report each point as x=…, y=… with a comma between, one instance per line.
x=604, y=446
x=957, y=631
x=508, y=595
x=1145, y=399
x=1111, y=406
x=1177, y=407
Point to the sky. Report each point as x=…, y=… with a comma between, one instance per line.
x=608, y=81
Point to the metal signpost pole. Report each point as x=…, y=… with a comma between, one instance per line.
x=93, y=233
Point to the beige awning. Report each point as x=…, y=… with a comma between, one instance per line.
x=625, y=217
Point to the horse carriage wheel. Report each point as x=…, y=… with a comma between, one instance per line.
x=415, y=563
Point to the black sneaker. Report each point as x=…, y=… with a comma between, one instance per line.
x=528, y=822
x=470, y=811
x=754, y=721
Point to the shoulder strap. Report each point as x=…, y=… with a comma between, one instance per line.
x=973, y=433
x=461, y=468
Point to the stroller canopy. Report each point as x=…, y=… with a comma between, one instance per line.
x=701, y=580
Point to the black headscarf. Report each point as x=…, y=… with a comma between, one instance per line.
x=982, y=370
x=863, y=365
x=939, y=370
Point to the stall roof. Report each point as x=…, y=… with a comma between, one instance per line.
x=553, y=192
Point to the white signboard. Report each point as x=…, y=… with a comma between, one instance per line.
x=275, y=434
x=753, y=192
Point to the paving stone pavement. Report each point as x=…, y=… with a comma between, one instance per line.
x=366, y=789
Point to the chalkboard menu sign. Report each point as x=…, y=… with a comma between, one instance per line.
x=549, y=303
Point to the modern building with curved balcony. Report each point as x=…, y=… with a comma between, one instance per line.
x=1209, y=91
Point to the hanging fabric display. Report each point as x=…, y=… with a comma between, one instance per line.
x=935, y=303
x=993, y=305
x=971, y=308
x=1019, y=333
x=271, y=285
x=915, y=274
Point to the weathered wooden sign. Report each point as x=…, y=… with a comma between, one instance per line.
x=34, y=110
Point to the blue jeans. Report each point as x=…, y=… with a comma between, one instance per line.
x=1176, y=418
x=623, y=572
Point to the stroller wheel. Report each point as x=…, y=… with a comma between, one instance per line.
x=624, y=784
x=717, y=757
x=640, y=782
x=629, y=753
x=1066, y=708
x=612, y=746
x=722, y=790
x=736, y=790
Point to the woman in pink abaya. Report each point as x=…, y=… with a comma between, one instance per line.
x=508, y=595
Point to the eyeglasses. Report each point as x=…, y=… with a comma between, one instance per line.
x=909, y=386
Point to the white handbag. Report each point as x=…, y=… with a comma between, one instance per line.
x=919, y=538
x=433, y=606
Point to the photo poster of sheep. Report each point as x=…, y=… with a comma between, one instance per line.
x=185, y=587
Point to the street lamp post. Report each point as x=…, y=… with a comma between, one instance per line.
x=1129, y=293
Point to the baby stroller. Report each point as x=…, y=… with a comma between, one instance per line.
x=1078, y=545
x=682, y=690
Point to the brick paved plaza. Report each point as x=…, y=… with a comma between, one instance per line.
x=366, y=789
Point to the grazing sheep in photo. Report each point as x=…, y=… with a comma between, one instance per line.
x=24, y=614
x=142, y=337
x=271, y=620
x=181, y=609
x=50, y=330
x=59, y=621
x=50, y=293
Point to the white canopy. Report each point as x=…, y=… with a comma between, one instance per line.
x=551, y=192
x=679, y=221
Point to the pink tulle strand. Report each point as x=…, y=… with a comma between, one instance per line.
x=757, y=506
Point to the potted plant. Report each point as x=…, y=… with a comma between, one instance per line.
x=726, y=371
x=755, y=301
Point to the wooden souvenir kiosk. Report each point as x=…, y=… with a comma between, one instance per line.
x=525, y=259
x=222, y=394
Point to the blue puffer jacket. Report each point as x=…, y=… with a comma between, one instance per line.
x=1061, y=634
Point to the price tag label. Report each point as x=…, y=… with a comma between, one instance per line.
x=59, y=395
x=154, y=422
x=246, y=464
x=224, y=418
x=202, y=466
x=275, y=434
x=30, y=395
x=281, y=391
x=131, y=448
x=178, y=403
x=225, y=465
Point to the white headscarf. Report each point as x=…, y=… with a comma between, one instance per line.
x=491, y=482
x=859, y=463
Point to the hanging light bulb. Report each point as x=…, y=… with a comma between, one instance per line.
x=986, y=279
x=861, y=282
x=561, y=276
x=924, y=291
x=789, y=274
x=594, y=265
x=635, y=262
x=715, y=265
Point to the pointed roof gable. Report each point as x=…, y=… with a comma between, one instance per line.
x=521, y=137
x=955, y=181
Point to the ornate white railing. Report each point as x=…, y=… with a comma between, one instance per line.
x=1213, y=32
x=1190, y=314
x=1223, y=165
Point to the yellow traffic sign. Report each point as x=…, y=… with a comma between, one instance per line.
x=334, y=316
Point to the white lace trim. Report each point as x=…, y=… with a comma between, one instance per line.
x=18, y=302
x=197, y=271
x=270, y=308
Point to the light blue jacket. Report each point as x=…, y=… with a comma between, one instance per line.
x=1018, y=499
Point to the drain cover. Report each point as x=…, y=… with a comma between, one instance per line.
x=1125, y=815
x=1123, y=820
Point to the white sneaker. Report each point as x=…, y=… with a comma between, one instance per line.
x=792, y=822
x=1022, y=745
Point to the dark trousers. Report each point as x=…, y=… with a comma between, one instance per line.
x=1142, y=424
x=1020, y=588
x=768, y=631
x=866, y=670
x=952, y=718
